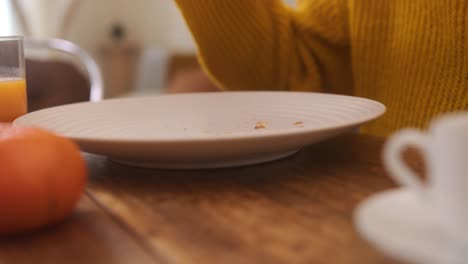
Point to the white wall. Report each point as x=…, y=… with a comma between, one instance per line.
x=6, y=20
x=290, y=2
x=148, y=22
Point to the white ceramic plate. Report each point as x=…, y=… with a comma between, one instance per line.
x=205, y=130
x=403, y=225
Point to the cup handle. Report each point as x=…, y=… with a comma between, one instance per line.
x=394, y=163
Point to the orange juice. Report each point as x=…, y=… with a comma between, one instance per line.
x=13, y=100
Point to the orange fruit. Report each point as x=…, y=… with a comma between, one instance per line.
x=42, y=177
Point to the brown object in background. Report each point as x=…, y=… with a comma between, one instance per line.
x=191, y=81
x=118, y=62
x=52, y=82
x=185, y=74
x=181, y=62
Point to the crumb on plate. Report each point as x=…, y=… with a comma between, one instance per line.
x=261, y=125
x=299, y=123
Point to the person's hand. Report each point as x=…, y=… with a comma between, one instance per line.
x=189, y=81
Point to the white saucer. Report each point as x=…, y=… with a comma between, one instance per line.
x=205, y=130
x=402, y=225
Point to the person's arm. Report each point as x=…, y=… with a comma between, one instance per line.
x=263, y=45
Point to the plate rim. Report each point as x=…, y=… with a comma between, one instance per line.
x=262, y=134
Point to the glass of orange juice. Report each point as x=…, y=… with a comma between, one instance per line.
x=13, y=100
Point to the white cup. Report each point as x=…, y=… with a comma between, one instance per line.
x=445, y=150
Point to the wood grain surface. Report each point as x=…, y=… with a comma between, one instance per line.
x=297, y=210
x=89, y=236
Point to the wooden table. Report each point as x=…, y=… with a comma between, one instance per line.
x=297, y=210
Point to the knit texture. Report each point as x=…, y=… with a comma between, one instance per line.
x=410, y=55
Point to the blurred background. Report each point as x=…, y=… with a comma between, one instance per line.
x=141, y=46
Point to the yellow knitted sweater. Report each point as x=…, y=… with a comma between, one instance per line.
x=411, y=55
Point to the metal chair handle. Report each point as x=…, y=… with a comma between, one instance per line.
x=93, y=70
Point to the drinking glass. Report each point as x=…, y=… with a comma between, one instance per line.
x=13, y=98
